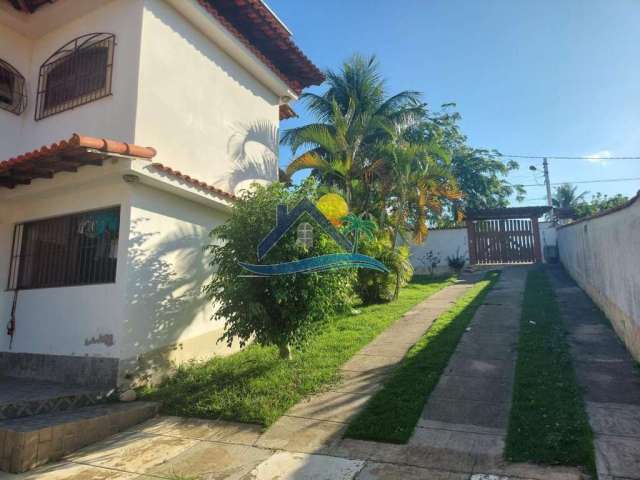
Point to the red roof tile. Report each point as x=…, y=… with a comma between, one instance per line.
x=287, y=112
x=65, y=155
x=193, y=181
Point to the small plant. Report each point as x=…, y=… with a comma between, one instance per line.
x=456, y=262
x=376, y=287
x=431, y=261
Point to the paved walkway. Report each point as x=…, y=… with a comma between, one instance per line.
x=460, y=435
x=610, y=379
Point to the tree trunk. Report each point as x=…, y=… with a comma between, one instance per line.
x=396, y=293
x=285, y=351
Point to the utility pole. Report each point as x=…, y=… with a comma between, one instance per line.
x=545, y=168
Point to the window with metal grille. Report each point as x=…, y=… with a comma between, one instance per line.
x=12, y=93
x=78, y=73
x=78, y=249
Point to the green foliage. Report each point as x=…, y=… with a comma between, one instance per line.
x=281, y=310
x=391, y=415
x=566, y=196
x=257, y=386
x=548, y=422
x=599, y=203
x=377, y=287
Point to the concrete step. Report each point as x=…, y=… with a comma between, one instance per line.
x=21, y=397
x=26, y=443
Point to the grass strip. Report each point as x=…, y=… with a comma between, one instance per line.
x=256, y=386
x=548, y=422
x=391, y=415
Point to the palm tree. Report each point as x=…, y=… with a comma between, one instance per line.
x=353, y=114
x=356, y=224
x=566, y=196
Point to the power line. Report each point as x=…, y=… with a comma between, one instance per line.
x=551, y=157
x=584, y=181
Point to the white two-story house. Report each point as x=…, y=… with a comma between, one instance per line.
x=126, y=129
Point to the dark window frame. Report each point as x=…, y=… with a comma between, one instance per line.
x=78, y=73
x=52, y=253
x=18, y=102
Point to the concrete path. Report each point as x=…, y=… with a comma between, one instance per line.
x=610, y=379
x=460, y=435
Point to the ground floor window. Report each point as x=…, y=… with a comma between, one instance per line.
x=78, y=249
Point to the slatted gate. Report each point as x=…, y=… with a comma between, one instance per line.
x=504, y=240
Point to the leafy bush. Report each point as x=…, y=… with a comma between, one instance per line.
x=281, y=310
x=377, y=287
x=456, y=262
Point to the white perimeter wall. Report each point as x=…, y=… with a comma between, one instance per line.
x=63, y=321
x=110, y=117
x=168, y=319
x=442, y=243
x=203, y=112
x=603, y=256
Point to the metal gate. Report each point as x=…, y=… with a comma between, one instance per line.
x=505, y=240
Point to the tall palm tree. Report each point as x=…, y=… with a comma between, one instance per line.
x=353, y=115
x=566, y=196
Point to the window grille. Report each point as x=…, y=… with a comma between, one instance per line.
x=78, y=249
x=78, y=73
x=12, y=90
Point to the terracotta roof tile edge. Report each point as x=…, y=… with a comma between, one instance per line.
x=294, y=84
x=81, y=141
x=193, y=181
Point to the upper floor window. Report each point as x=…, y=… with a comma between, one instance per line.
x=12, y=94
x=78, y=73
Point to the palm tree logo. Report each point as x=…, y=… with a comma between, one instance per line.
x=357, y=225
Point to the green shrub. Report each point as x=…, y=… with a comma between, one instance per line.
x=376, y=287
x=281, y=310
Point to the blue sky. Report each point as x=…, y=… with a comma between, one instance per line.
x=539, y=77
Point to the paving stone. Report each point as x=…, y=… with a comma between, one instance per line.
x=132, y=451
x=386, y=471
x=361, y=382
x=614, y=418
x=334, y=406
x=369, y=363
x=618, y=456
x=213, y=461
x=475, y=350
x=486, y=389
x=386, y=349
x=440, y=449
x=218, y=430
x=460, y=364
x=302, y=435
x=300, y=466
x=72, y=471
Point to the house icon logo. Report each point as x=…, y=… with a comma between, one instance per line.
x=285, y=220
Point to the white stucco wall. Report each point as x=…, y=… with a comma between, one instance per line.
x=167, y=317
x=205, y=114
x=603, y=256
x=59, y=320
x=110, y=117
x=443, y=243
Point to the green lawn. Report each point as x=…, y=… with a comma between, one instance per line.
x=548, y=422
x=256, y=386
x=392, y=414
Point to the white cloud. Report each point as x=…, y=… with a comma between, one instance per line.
x=599, y=157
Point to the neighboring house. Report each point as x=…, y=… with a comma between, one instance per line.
x=176, y=105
